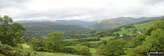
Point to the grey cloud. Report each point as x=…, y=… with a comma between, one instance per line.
x=10, y=3
x=152, y=2
x=105, y=12
x=63, y=13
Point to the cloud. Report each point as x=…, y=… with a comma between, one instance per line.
x=80, y=9
x=152, y=2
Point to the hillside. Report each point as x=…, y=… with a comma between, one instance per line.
x=37, y=29
x=76, y=22
x=138, y=28
x=120, y=21
x=42, y=28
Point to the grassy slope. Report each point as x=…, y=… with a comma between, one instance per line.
x=138, y=27
x=103, y=38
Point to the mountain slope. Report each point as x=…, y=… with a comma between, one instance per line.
x=37, y=29
x=76, y=22
x=121, y=21
x=138, y=28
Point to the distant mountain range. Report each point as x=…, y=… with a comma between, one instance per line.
x=76, y=22
x=43, y=28
x=34, y=28
x=65, y=22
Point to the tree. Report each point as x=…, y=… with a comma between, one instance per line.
x=11, y=33
x=37, y=44
x=101, y=49
x=115, y=47
x=54, y=42
x=82, y=50
x=152, y=39
x=136, y=41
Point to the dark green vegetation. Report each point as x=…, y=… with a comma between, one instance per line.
x=41, y=29
x=72, y=40
x=11, y=33
x=54, y=42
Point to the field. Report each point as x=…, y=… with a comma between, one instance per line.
x=92, y=50
x=54, y=54
x=27, y=47
x=138, y=28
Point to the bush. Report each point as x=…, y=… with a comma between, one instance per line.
x=88, y=39
x=10, y=51
x=69, y=50
x=82, y=50
x=100, y=49
x=90, y=45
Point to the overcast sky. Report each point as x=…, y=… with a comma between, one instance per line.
x=80, y=9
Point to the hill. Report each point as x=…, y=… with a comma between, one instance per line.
x=137, y=28
x=76, y=22
x=37, y=29
x=121, y=21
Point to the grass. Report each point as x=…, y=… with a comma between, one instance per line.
x=27, y=47
x=103, y=38
x=92, y=50
x=144, y=25
x=2, y=55
x=70, y=39
x=107, y=38
x=71, y=46
x=126, y=31
x=138, y=27
x=54, y=54
x=93, y=41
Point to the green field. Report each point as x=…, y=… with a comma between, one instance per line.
x=138, y=27
x=107, y=38
x=92, y=50
x=102, y=38
x=54, y=54
x=27, y=47
x=143, y=25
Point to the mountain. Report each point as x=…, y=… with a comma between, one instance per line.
x=66, y=22
x=120, y=21
x=37, y=29
x=76, y=22
x=42, y=28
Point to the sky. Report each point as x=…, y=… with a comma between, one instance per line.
x=88, y=10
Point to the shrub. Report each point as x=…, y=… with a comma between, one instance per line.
x=82, y=50
x=10, y=51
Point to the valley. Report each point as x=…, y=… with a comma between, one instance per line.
x=55, y=39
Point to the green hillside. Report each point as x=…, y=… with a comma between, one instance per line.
x=41, y=29
x=136, y=29
x=117, y=22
